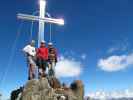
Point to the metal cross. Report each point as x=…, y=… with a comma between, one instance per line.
x=41, y=19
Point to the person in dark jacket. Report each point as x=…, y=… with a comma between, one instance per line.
x=52, y=59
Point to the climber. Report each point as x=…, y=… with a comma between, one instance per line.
x=42, y=57
x=30, y=53
x=52, y=59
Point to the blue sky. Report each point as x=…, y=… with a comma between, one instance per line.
x=98, y=29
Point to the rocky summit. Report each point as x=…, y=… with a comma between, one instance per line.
x=49, y=89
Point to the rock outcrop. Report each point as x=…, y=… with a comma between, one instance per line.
x=51, y=89
x=78, y=89
x=15, y=93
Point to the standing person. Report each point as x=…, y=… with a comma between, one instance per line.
x=30, y=52
x=42, y=57
x=52, y=59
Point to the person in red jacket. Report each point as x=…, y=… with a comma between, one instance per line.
x=42, y=57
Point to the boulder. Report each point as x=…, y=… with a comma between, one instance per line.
x=42, y=89
x=16, y=93
x=54, y=83
x=78, y=89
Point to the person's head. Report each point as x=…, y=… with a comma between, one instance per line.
x=43, y=43
x=50, y=44
x=32, y=43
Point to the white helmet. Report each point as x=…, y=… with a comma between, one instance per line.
x=32, y=41
x=50, y=43
x=43, y=41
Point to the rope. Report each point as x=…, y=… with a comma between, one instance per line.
x=11, y=55
x=31, y=28
x=50, y=38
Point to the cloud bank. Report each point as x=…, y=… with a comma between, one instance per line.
x=115, y=62
x=67, y=67
x=116, y=94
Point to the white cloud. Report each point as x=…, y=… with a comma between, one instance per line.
x=115, y=63
x=103, y=95
x=83, y=56
x=67, y=67
x=121, y=45
x=117, y=48
x=112, y=49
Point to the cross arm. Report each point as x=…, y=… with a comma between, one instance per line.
x=37, y=18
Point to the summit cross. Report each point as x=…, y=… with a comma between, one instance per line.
x=41, y=19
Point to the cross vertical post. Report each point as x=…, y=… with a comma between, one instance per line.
x=41, y=23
